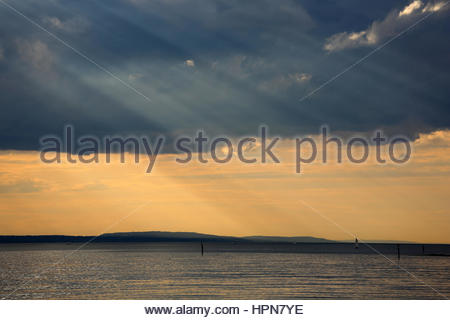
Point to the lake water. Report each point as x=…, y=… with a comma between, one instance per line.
x=178, y=271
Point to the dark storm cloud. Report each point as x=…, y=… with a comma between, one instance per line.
x=222, y=66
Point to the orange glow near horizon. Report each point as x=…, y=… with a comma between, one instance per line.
x=376, y=202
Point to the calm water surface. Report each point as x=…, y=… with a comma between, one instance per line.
x=174, y=274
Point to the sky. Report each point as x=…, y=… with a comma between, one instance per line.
x=172, y=67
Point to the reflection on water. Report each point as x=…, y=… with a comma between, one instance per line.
x=170, y=273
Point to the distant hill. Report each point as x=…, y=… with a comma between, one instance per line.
x=287, y=239
x=157, y=236
x=165, y=236
x=378, y=241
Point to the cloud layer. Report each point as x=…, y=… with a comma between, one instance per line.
x=222, y=66
x=394, y=23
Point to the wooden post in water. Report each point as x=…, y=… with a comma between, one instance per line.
x=201, y=244
x=398, y=252
x=423, y=249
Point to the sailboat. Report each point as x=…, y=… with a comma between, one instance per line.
x=356, y=243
